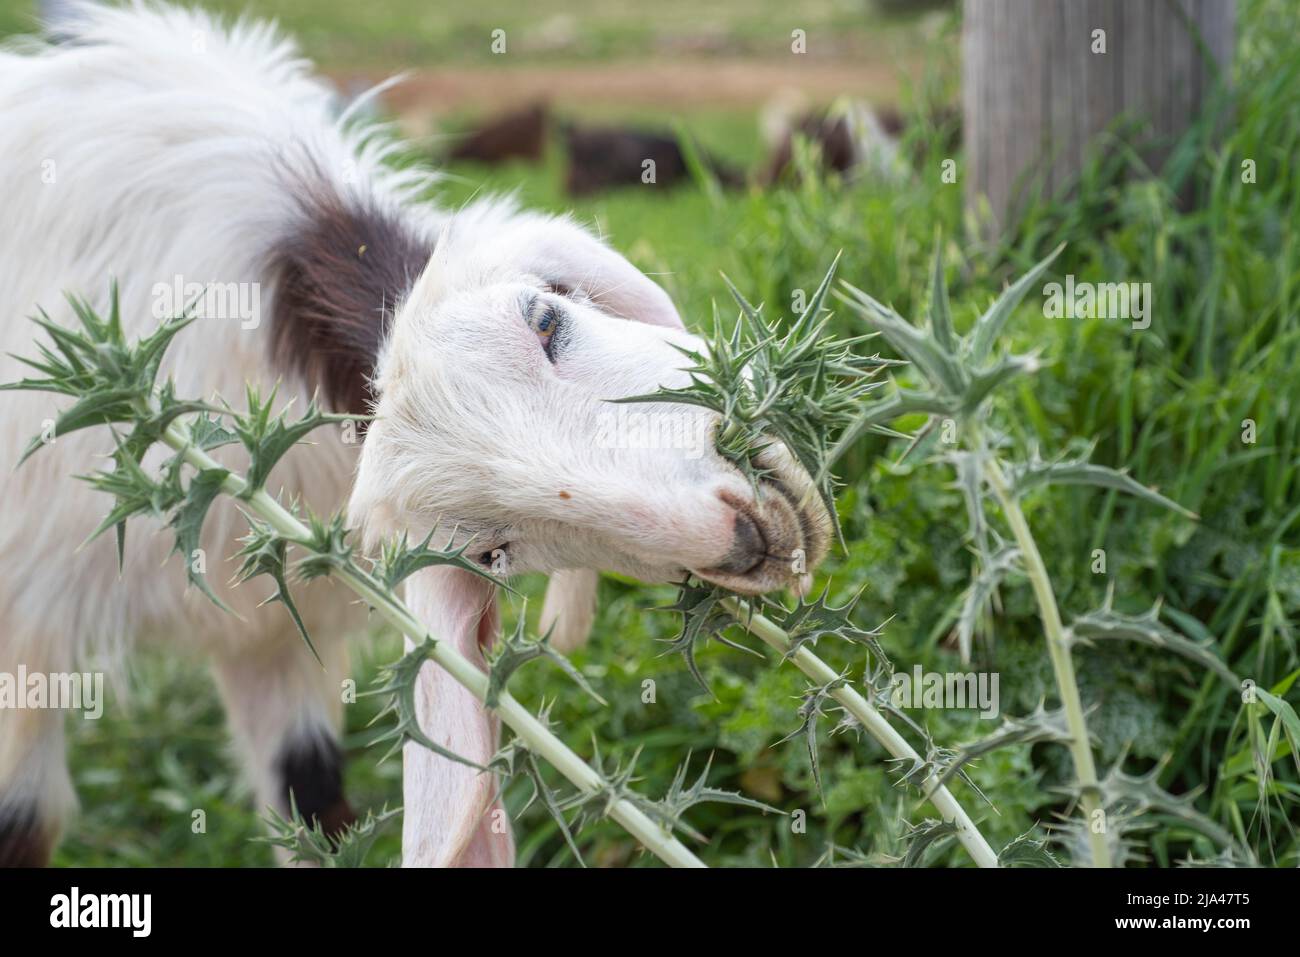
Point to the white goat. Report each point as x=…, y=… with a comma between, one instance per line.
x=157, y=146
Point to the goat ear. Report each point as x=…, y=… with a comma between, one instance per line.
x=619, y=287
x=571, y=259
x=557, y=250
x=428, y=287
x=452, y=816
x=570, y=607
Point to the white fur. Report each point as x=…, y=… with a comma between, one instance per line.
x=130, y=156
x=175, y=142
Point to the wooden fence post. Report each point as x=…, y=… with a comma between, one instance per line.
x=1041, y=77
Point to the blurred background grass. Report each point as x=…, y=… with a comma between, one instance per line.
x=1167, y=403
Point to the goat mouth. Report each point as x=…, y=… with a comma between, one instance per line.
x=782, y=542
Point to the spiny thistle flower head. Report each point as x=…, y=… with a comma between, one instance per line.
x=798, y=385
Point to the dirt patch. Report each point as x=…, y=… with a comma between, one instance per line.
x=675, y=85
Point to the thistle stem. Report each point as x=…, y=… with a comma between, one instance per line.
x=539, y=739
x=1058, y=649
x=871, y=720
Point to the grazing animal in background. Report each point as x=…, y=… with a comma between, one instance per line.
x=604, y=157
x=851, y=138
x=161, y=147
x=517, y=135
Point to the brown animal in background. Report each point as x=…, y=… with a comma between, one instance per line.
x=830, y=133
x=517, y=135
x=604, y=157
x=852, y=134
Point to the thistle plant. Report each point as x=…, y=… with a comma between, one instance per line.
x=960, y=375
x=115, y=384
x=307, y=843
x=747, y=378
x=802, y=387
x=922, y=772
x=799, y=386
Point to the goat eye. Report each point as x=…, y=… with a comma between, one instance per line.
x=546, y=320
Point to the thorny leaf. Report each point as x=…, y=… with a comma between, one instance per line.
x=1128, y=799
x=917, y=772
x=939, y=368
x=399, y=560
x=809, y=621
x=134, y=492
x=852, y=857
x=1034, y=728
x=980, y=593
x=988, y=327
x=1106, y=624
x=1141, y=794
x=108, y=377
x=98, y=355
x=327, y=548
x=668, y=811
x=99, y=407
x=515, y=650
x=970, y=482
x=268, y=438
x=1228, y=857
x=703, y=617
x=809, y=711
x=615, y=786
x=879, y=689
x=921, y=837
x=187, y=524
x=397, y=681
x=1072, y=832
x=1027, y=851
x=264, y=553
x=309, y=844
x=956, y=370
x=516, y=758
x=1079, y=471
x=207, y=432
x=940, y=312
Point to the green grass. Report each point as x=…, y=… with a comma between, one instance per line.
x=1167, y=403
x=417, y=33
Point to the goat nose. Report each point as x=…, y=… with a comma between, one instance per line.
x=748, y=547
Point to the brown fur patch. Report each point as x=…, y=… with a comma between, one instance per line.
x=337, y=281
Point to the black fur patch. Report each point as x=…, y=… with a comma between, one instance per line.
x=312, y=771
x=23, y=841
x=337, y=282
